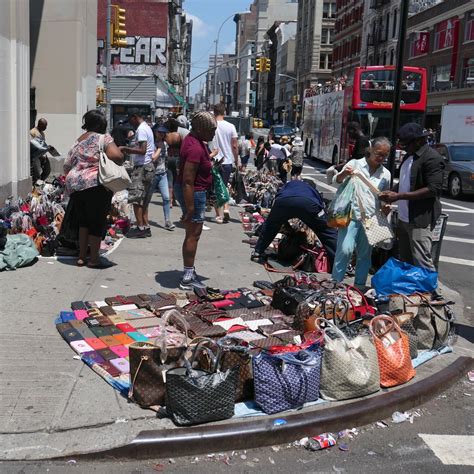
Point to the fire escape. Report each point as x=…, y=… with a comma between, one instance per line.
x=379, y=33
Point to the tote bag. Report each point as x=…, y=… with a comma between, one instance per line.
x=111, y=175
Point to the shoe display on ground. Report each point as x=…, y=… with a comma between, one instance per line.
x=169, y=226
x=136, y=233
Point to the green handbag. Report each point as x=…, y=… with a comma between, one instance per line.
x=219, y=188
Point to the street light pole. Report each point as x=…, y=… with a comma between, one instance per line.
x=108, y=58
x=398, y=82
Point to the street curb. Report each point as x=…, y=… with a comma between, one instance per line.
x=259, y=432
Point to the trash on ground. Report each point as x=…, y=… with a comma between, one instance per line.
x=381, y=424
x=121, y=420
x=243, y=456
x=279, y=422
x=322, y=441
x=76, y=357
x=348, y=433
x=371, y=453
x=470, y=375
x=171, y=461
x=159, y=467
x=72, y=461
x=343, y=447
x=398, y=417
x=275, y=449
x=271, y=460
x=467, y=394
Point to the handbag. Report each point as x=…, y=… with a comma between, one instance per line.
x=350, y=367
x=288, y=380
x=233, y=354
x=359, y=309
x=405, y=321
x=434, y=326
x=150, y=360
x=197, y=396
x=288, y=299
x=393, y=351
x=111, y=175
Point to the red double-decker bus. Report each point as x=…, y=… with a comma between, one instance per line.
x=367, y=98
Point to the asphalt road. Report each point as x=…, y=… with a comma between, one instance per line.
x=438, y=441
x=456, y=267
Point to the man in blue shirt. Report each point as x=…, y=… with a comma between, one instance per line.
x=297, y=199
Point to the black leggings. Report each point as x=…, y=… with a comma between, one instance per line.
x=92, y=206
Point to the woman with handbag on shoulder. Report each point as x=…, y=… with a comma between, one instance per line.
x=365, y=203
x=90, y=199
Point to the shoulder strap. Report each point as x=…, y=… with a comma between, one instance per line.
x=101, y=142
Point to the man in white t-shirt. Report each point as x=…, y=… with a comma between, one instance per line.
x=142, y=174
x=226, y=143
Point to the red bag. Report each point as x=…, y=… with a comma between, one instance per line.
x=358, y=310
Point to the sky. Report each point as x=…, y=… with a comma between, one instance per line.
x=207, y=16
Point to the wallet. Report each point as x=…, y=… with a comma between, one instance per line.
x=136, y=314
x=72, y=335
x=109, y=341
x=136, y=336
x=61, y=327
x=109, y=368
x=144, y=322
x=81, y=346
x=85, y=332
x=121, y=351
x=81, y=314
x=107, y=354
x=78, y=305
x=123, y=339
x=92, y=357
x=66, y=316
x=107, y=310
x=95, y=343
x=100, y=331
x=125, y=327
x=90, y=304
x=137, y=301
x=116, y=319
x=112, y=301
x=121, y=364
x=104, y=321
x=124, y=307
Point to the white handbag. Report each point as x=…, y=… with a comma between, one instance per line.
x=111, y=175
x=377, y=227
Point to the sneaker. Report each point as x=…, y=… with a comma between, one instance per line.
x=136, y=233
x=204, y=227
x=257, y=257
x=191, y=283
x=226, y=217
x=169, y=226
x=147, y=232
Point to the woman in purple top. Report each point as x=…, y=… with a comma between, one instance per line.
x=193, y=181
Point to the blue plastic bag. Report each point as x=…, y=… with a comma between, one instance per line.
x=403, y=278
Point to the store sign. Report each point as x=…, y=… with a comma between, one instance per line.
x=421, y=45
x=445, y=31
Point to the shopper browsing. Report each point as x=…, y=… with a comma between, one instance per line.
x=143, y=173
x=193, y=182
x=353, y=236
x=90, y=201
x=160, y=182
x=225, y=141
x=418, y=195
x=297, y=199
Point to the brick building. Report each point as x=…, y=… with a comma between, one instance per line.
x=441, y=39
x=348, y=36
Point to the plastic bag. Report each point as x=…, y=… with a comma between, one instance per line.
x=402, y=278
x=339, y=211
x=219, y=188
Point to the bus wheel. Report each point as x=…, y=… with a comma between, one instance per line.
x=334, y=156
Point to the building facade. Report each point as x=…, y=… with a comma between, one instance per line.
x=347, y=36
x=14, y=99
x=152, y=70
x=441, y=39
x=314, y=42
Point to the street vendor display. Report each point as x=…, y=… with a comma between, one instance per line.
x=196, y=354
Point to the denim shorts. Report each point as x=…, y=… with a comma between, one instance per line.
x=199, y=203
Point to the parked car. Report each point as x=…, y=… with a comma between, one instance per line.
x=458, y=176
x=278, y=131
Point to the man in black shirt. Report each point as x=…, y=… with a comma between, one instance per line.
x=361, y=142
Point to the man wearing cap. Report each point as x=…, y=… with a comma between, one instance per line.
x=160, y=183
x=142, y=174
x=418, y=194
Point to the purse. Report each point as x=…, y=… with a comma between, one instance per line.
x=434, y=326
x=359, y=309
x=288, y=299
x=149, y=361
x=196, y=396
x=233, y=354
x=111, y=175
x=393, y=351
x=288, y=380
x=405, y=321
x=350, y=367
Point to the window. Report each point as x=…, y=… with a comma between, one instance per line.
x=387, y=25
x=439, y=80
x=325, y=61
x=394, y=24
x=419, y=43
x=392, y=57
x=468, y=72
x=444, y=34
x=469, y=28
x=331, y=36
x=384, y=61
x=329, y=10
x=327, y=36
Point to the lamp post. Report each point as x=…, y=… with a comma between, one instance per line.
x=216, y=41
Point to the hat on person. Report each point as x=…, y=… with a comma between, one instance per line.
x=411, y=131
x=161, y=129
x=183, y=121
x=297, y=141
x=203, y=120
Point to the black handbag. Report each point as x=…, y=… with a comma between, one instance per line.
x=288, y=299
x=197, y=396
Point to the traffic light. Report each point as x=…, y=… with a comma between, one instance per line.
x=259, y=64
x=99, y=95
x=267, y=64
x=118, y=32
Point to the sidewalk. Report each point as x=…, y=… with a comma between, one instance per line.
x=53, y=405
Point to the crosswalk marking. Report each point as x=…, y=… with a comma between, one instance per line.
x=456, y=206
x=458, y=239
x=458, y=224
x=320, y=183
x=457, y=261
x=451, y=449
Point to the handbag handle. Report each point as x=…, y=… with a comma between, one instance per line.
x=230, y=342
x=163, y=321
x=198, y=348
x=390, y=326
x=290, y=358
x=425, y=301
x=101, y=143
x=332, y=327
x=356, y=290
